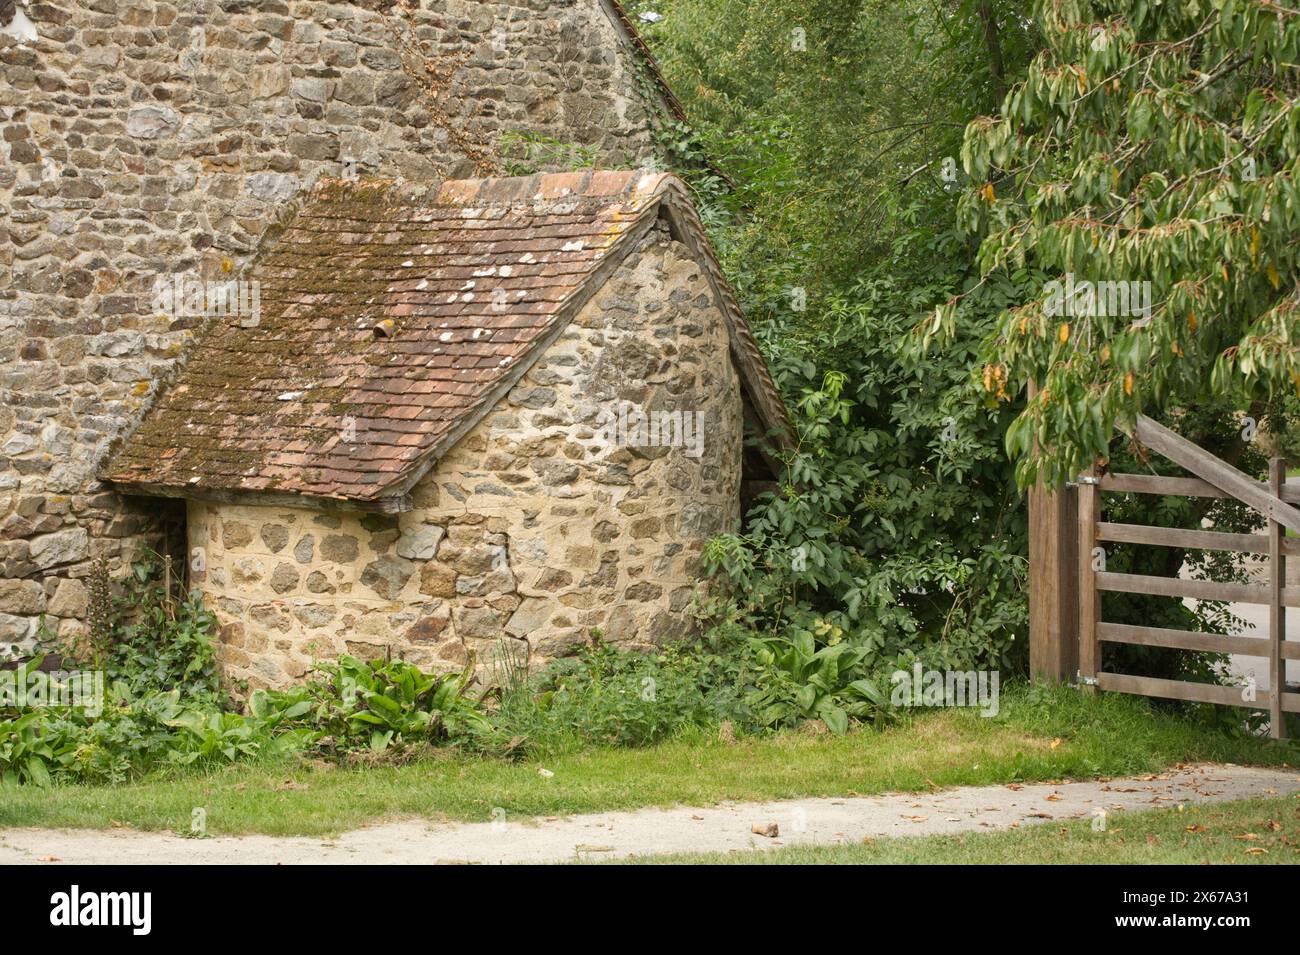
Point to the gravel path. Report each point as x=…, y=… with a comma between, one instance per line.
x=727, y=827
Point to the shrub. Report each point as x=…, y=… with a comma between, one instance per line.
x=614, y=698
x=168, y=645
x=131, y=735
x=801, y=681
x=163, y=701
x=375, y=706
x=149, y=634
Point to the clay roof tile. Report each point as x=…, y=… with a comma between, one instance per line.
x=393, y=315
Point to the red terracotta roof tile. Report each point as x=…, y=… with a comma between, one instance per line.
x=469, y=280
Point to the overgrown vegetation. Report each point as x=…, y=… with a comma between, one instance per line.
x=526, y=153
x=388, y=712
x=888, y=158
x=155, y=637
x=164, y=708
x=1147, y=143
x=378, y=708
x=1037, y=735
x=898, y=528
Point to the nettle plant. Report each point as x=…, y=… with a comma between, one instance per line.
x=1154, y=143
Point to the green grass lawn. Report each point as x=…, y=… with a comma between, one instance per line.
x=1252, y=831
x=1038, y=735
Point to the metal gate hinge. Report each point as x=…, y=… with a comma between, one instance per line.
x=1081, y=680
x=1087, y=479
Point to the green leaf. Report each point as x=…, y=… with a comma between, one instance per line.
x=836, y=720
x=37, y=773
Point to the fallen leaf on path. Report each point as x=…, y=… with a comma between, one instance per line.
x=49, y=859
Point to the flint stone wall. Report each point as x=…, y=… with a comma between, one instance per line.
x=532, y=531
x=141, y=139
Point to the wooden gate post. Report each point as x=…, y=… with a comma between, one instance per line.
x=1089, y=494
x=1276, y=606
x=1053, y=584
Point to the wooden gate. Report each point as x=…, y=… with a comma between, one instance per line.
x=1213, y=478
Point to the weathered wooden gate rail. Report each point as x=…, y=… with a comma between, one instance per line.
x=1214, y=478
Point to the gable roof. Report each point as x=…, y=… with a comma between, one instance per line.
x=400, y=313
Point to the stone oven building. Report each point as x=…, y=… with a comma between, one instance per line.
x=484, y=411
x=150, y=139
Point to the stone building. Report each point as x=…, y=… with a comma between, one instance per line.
x=490, y=410
x=143, y=140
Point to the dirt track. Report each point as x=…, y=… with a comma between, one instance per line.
x=650, y=831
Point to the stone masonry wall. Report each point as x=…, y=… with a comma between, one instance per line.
x=533, y=529
x=141, y=139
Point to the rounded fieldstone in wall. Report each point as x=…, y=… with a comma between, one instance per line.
x=340, y=548
x=274, y=536
x=236, y=534
x=284, y=578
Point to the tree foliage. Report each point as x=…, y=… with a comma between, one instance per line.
x=1153, y=143
x=898, y=529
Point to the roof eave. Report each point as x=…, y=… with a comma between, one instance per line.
x=386, y=504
